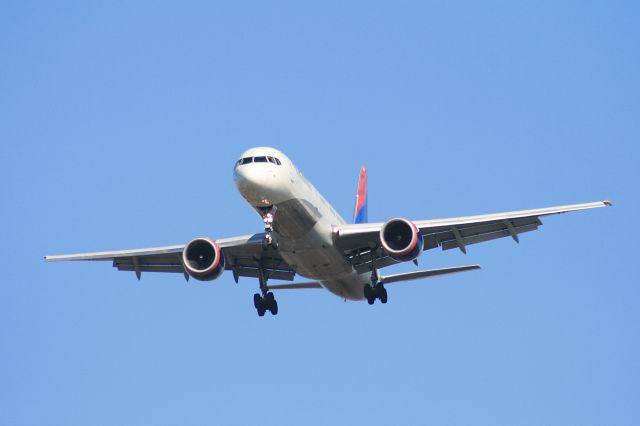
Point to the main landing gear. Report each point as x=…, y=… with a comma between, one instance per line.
x=266, y=301
x=376, y=289
x=373, y=292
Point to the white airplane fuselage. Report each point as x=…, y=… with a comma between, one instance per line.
x=303, y=221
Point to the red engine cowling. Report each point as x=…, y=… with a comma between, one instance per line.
x=203, y=259
x=401, y=239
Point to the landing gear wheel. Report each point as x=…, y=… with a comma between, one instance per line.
x=269, y=298
x=270, y=303
x=367, y=291
x=382, y=294
x=369, y=294
x=259, y=304
x=274, y=307
x=266, y=303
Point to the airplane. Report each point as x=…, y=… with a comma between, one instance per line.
x=304, y=235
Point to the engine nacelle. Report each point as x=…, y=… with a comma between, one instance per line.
x=203, y=259
x=401, y=239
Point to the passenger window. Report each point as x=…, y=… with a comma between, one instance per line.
x=260, y=159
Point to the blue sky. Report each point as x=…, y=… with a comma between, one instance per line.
x=119, y=127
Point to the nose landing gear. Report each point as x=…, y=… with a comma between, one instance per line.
x=269, y=241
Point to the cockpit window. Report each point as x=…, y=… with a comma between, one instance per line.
x=245, y=160
x=261, y=159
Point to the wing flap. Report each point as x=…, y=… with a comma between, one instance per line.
x=480, y=236
x=152, y=268
x=272, y=274
x=363, y=263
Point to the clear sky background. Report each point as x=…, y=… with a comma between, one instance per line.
x=119, y=127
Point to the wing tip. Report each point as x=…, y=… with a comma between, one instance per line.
x=55, y=258
x=607, y=203
x=470, y=267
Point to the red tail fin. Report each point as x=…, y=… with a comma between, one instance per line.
x=360, y=214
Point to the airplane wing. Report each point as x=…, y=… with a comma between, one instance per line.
x=243, y=256
x=361, y=242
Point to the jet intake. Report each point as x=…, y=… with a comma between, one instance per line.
x=203, y=259
x=401, y=239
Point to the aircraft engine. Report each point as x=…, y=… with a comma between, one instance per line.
x=401, y=239
x=203, y=259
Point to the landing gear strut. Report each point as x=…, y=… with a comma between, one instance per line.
x=266, y=301
x=268, y=217
x=376, y=289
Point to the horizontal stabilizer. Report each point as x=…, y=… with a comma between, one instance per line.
x=425, y=274
x=297, y=286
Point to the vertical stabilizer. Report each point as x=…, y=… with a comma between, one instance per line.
x=360, y=213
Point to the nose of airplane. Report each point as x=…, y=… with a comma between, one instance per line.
x=256, y=183
x=245, y=176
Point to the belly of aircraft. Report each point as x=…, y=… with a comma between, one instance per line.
x=305, y=242
x=318, y=263
x=349, y=288
x=329, y=267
